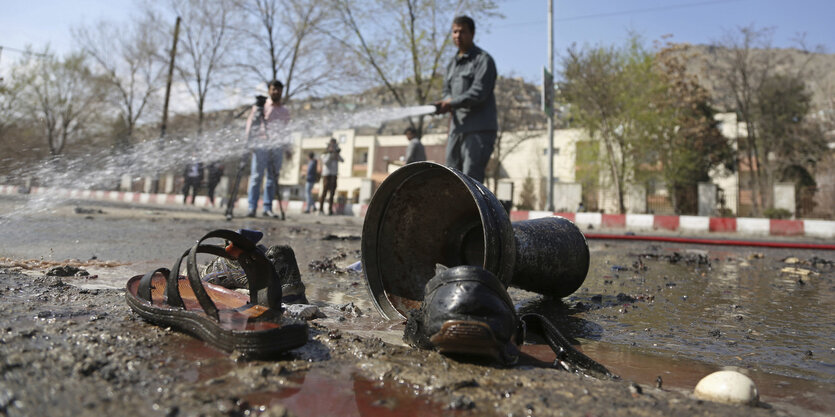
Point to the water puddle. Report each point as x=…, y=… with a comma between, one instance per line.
x=682, y=374
x=679, y=313
x=347, y=394
x=316, y=392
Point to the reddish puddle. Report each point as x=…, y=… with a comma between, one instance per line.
x=684, y=374
x=349, y=395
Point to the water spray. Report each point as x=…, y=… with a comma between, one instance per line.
x=104, y=168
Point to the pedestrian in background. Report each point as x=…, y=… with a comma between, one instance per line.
x=192, y=177
x=311, y=178
x=215, y=173
x=330, y=169
x=415, y=152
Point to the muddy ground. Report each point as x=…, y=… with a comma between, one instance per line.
x=71, y=345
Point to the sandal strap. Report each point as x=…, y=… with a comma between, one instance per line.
x=144, y=289
x=264, y=285
x=172, y=289
x=544, y=327
x=263, y=281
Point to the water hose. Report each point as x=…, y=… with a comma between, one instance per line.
x=723, y=242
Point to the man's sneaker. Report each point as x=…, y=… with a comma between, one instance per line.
x=250, y=214
x=225, y=272
x=466, y=312
x=269, y=213
x=284, y=261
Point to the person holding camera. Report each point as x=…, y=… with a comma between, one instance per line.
x=330, y=168
x=264, y=128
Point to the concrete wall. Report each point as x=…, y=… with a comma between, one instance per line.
x=784, y=196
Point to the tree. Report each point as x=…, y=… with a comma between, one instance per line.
x=527, y=197
x=393, y=38
x=64, y=96
x=687, y=143
x=745, y=63
x=11, y=97
x=205, y=40
x=798, y=144
x=520, y=119
x=608, y=90
x=127, y=59
x=282, y=43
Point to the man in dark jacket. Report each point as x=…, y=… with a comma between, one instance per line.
x=468, y=96
x=311, y=178
x=415, y=152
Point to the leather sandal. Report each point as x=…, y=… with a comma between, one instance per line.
x=252, y=325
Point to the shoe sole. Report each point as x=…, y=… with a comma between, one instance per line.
x=466, y=337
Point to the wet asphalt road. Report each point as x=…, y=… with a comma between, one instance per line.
x=639, y=313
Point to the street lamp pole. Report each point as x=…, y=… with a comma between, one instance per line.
x=550, y=106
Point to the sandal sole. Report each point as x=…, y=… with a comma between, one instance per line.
x=282, y=336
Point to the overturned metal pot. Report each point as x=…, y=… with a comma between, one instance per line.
x=425, y=214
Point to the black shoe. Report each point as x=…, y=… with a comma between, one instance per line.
x=250, y=214
x=284, y=261
x=466, y=312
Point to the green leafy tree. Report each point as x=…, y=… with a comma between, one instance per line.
x=527, y=197
x=608, y=90
x=687, y=143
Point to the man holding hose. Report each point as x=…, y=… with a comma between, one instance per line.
x=468, y=95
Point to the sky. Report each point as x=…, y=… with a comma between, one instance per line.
x=517, y=42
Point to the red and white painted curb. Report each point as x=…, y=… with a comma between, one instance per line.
x=824, y=229
x=696, y=224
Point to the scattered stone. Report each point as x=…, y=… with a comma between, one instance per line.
x=303, y=311
x=461, y=403
x=635, y=389
x=659, y=382
x=756, y=256
x=798, y=271
x=350, y=308
x=338, y=237
x=730, y=387
x=791, y=260
x=623, y=298
x=67, y=271
x=82, y=210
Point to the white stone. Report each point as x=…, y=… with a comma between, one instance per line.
x=302, y=311
x=730, y=387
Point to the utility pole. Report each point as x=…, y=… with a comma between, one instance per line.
x=170, y=76
x=549, y=84
x=164, y=125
